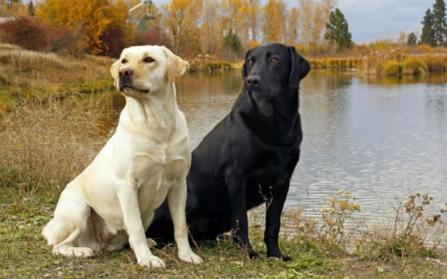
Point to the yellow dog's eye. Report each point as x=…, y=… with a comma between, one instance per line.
x=124, y=61
x=274, y=60
x=148, y=60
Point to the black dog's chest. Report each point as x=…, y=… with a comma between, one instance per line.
x=270, y=166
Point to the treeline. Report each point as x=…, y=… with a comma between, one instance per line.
x=214, y=29
x=222, y=28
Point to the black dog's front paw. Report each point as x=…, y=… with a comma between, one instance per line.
x=279, y=256
x=253, y=254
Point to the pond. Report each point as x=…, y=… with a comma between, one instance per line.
x=379, y=139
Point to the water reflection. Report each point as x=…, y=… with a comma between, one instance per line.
x=380, y=140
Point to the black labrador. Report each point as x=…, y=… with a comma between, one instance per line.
x=249, y=157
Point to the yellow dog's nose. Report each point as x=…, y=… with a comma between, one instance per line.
x=127, y=72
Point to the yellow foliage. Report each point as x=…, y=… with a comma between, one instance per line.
x=88, y=18
x=182, y=19
x=274, y=12
x=414, y=66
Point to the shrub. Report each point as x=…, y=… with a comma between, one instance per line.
x=417, y=231
x=25, y=32
x=391, y=68
x=436, y=63
x=152, y=36
x=32, y=34
x=414, y=66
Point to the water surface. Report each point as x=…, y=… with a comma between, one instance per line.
x=379, y=139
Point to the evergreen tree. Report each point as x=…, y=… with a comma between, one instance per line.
x=31, y=9
x=337, y=31
x=440, y=23
x=428, y=34
x=412, y=39
x=232, y=43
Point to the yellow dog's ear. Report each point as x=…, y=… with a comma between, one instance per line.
x=114, y=69
x=176, y=66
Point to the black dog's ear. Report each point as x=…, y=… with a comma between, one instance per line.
x=244, y=67
x=299, y=67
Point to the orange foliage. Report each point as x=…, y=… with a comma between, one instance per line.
x=91, y=18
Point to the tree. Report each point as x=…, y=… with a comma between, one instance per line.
x=313, y=16
x=439, y=23
x=90, y=19
x=182, y=17
x=412, y=39
x=254, y=11
x=233, y=44
x=274, y=13
x=337, y=31
x=293, y=27
x=428, y=34
x=211, y=33
x=31, y=10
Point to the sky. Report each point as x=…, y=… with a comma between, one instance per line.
x=371, y=20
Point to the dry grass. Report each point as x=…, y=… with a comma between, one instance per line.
x=28, y=74
x=46, y=143
x=385, y=59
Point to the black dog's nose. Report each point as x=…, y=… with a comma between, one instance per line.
x=126, y=72
x=252, y=81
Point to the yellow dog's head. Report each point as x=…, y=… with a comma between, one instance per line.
x=146, y=69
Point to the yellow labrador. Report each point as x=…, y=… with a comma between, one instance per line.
x=113, y=200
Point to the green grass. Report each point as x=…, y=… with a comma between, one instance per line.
x=28, y=75
x=24, y=253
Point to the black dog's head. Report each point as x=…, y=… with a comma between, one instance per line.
x=273, y=68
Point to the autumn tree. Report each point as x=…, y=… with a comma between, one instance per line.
x=211, y=31
x=13, y=8
x=313, y=18
x=337, y=31
x=274, y=13
x=91, y=19
x=293, y=27
x=182, y=17
x=253, y=18
x=231, y=15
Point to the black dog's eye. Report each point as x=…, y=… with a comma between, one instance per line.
x=250, y=62
x=274, y=60
x=148, y=60
x=124, y=61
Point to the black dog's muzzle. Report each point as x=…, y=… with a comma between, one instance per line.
x=253, y=82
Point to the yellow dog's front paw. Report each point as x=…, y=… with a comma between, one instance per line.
x=190, y=257
x=152, y=261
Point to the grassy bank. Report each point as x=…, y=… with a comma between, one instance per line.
x=44, y=145
x=48, y=141
x=316, y=254
x=28, y=74
x=370, y=65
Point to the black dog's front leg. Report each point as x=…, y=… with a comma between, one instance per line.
x=273, y=221
x=237, y=195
